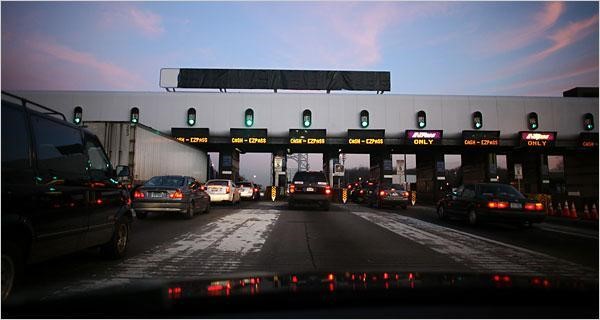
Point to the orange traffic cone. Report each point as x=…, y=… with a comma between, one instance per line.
x=573, y=211
x=565, y=210
x=586, y=212
x=594, y=212
x=550, y=209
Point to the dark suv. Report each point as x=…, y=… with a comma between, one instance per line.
x=59, y=191
x=309, y=187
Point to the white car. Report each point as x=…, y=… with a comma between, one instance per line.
x=249, y=191
x=221, y=190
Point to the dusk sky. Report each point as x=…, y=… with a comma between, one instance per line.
x=479, y=48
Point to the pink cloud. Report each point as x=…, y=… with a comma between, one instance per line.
x=145, y=21
x=112, y=74
x=524, y=35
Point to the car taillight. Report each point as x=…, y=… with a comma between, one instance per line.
x=382, y=193
x=202, y=188
x=176, y=195
x=227, y=190
x=255, y=189
x=534, y=206
x=362, y=191
x=405, y=193
x=497, y=205
x=349, y=186
x=138, y=195
x=327, y=190
x=292, y=188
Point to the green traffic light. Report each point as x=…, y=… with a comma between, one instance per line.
x=307, y=123
x=77, y=120
x=248, y=123
x=478, y=125
x=191, y=122
x=134, y=120
x=421, y=124
x=364, y=124
x=533, y=125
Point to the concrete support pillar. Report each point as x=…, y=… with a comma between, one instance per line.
x=581, y=176
x=279, y=169
x=229, y=165
x=536, y=178
x=478, y=166
x=430, y=176
x=381, y=166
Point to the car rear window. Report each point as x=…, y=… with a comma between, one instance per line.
x=217, y=183
x=309, y=177
x=500, y=190
x=394, y=186
x=165, y=181
x=245, y=184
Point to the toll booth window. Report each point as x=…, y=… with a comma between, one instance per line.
x=500, y=190
x=469, y=192
x=556, y=164
x=15, y=151
x=59, y=149
x=165, y=181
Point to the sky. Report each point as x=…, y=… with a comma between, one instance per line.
x=471, y=48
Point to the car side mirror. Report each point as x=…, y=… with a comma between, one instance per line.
x=122, y=171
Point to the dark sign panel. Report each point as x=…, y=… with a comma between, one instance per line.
x=190, y=135
x=424, y=137
x=308, y=136
x=537, y=139
x=248, y=136
x=284, y=79
x=366, y=137
x=481, y=138
x=588, y=140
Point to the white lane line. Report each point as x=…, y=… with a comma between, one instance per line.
x=217, y=247
x=566, y=230
x=475, y=251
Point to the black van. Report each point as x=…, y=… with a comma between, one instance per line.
x=60, y=193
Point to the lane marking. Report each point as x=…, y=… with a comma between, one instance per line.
x=480, y=253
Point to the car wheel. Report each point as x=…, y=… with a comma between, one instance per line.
x=12, y=261
x=472, y=217
x=207, y=209
x=189, y=212
x=441, y=212
x=141, y=215
x=117, y=245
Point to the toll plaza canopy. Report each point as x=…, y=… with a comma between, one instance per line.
x=276, y=79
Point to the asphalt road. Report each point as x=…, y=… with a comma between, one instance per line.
x=267, y=237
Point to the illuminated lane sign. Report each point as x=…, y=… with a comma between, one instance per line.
x=588, y=140
x=424, y=137
x=366, y=137
x=537, y=139
x=308, y=136
x=248, y=136
x=481, y=138
x=190, y=135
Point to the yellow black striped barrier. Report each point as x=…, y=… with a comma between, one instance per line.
x=413, y=198
x=273, y=193
x=344, y=195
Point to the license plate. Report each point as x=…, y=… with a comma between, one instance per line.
x=516, y=206
x=394, y=194
x=309, y=189
x=213, y=189
x=156, y=195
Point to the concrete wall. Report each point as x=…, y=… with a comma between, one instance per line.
x=335, y=112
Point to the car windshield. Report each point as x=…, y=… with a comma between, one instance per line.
x=503, y=191
x=165, y=181
x=394, y=186
x=218, y=183
x=310, y=177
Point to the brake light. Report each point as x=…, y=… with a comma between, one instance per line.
x=292, y=188
x=362, y=191
x=405, y=193
x=228, y=189
x=202, y=188
x=330, y=277
x=534, y=206
x=327, y=190
x=497, y=205
x=539, y=206
x=349, y=186
x=255, y=189
x=492, y=205
x=382, y=193
x=138, y=195
x=176, y=195
x=502, y=205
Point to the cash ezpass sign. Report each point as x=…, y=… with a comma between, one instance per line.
x=248, y=136
x=308, y=136
x=424, y=137
x=190, y=135
x=481, y=138
x=537, y=139
x=366, y=137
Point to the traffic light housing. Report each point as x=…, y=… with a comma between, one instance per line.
x=364, y=119
x=588, y=121
x=134, y=117
x=421, y=119
x=477, y=120
x=249, y=118
x=191, y=117
x=532, y=121
x=77, y=115
x=306, y=118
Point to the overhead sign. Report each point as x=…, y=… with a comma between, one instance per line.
x=248, y=136
x=537, y=139
x=366, y=137
x=481, y=138
x=308, y=136
x=588, y=139
x=424, y=137
x=190, y=135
